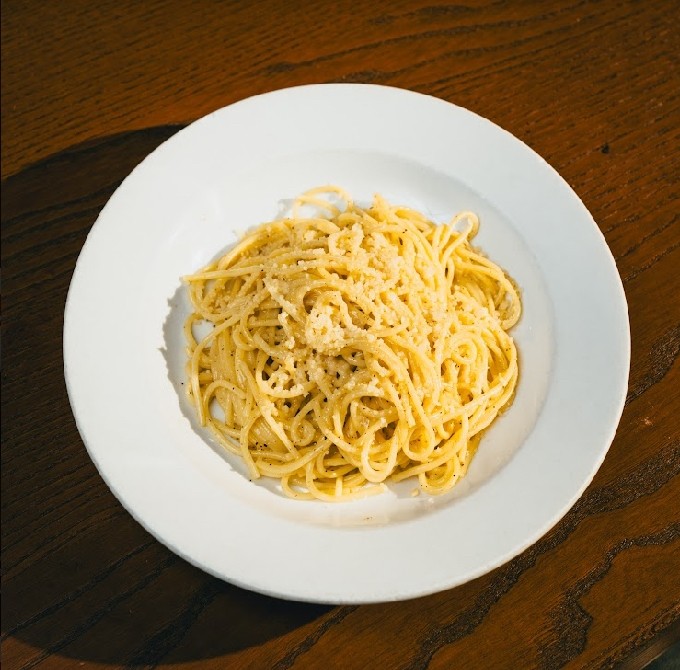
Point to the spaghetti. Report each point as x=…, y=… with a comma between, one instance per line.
x=352, y=347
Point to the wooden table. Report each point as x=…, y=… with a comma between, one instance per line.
x=88, y=89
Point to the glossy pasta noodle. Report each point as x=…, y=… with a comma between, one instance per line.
x=351, y=347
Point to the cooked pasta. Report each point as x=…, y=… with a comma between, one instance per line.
x=352, y=347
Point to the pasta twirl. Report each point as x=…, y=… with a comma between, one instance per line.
x=353, y=347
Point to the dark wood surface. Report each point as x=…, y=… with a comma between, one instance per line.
x=88, y=89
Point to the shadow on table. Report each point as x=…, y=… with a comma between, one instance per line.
x=80, y=578
x=170, y=613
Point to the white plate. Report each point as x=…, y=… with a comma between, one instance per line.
x=188, y=200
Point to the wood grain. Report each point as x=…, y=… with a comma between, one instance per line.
x=88, y=89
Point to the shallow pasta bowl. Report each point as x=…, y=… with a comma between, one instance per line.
x=195, y=195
